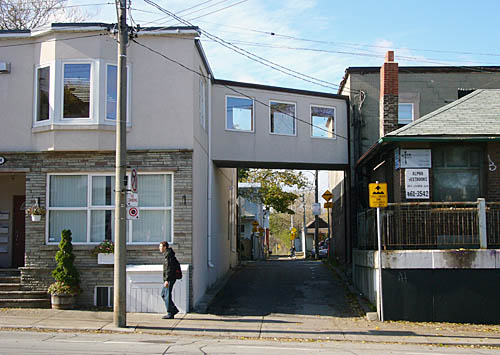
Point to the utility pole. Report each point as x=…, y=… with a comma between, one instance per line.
x=119, y=297
x=304, y=234
x=316, y=217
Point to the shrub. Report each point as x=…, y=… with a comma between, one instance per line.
x=106, y=247
x=66, y=275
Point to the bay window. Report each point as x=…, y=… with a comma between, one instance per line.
x=42, y=94
x=84, y=204
x=77, y=93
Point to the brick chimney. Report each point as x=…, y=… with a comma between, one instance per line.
x=389, y=92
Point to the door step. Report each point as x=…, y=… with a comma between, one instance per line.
x=25, y=303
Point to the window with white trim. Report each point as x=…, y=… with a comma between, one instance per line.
x=42, y=94
x=84, y=203
x=282, y=117
x=103, y=296
x=77, y=90
x=405, y=113
x=239, y=113
x=203, y=102
x=323, y=122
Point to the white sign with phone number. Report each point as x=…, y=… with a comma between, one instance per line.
x=417, y=183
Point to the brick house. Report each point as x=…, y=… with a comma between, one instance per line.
x=383, y=99
x=441, y=231
x=187, y=132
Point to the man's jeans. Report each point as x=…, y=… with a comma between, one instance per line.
x=166, y=294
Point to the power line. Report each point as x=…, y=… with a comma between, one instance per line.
x=234, y=90
x=252, y=56
x=215, y=11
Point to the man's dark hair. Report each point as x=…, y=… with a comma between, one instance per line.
x=165, y=244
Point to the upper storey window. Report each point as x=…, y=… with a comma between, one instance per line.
x=239, y=113
x=282, y=118
x=111, y=92
x=42, y=94
x=323, y=122
x=405, y=113
x=76, y=101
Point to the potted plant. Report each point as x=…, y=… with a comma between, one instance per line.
x=67, y=285
x=105, y=252
x=36, y=212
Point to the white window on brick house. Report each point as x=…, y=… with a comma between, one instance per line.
x=103, y=296
x=405, y=113
x=282, y=118
x=84, y=203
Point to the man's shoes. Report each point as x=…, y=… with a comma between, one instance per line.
x=168, y=316
x=174, y=312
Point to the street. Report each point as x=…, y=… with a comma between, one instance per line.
x=301, y=287
x=27, y=343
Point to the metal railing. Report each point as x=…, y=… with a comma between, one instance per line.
x=429, y=225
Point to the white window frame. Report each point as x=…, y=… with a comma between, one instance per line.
x=106, y=119
x=294, y=118
x=51, y=94
x=412, y=112
x=334, y=121
x=202, y=102
x=109, y=294
x=92, y=97
x=89, y=208
x=253, y=114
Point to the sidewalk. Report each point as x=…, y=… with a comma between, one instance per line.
x=270, y=327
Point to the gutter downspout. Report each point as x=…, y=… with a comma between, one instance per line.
x=210, y=177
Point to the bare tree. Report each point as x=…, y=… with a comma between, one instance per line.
x=28, y=14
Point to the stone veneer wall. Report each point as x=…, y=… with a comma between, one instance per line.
x=39, y=257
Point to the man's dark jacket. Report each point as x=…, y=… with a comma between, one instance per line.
x=169, y=266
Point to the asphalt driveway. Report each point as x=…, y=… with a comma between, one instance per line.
x=301, y=287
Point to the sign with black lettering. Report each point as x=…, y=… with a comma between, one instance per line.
x=417, y=183
x=378, y=194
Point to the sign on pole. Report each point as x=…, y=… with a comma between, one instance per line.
x=328, y=205
x=255, y=224
x=133, y=182
x=378, y=194
x=316, y=207
x=132, y=213
x=132, y=199
x=327, y=195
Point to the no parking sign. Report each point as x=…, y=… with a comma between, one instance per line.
x=132, y=213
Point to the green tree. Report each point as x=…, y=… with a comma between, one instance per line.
x=276, y=187
x=66, y=275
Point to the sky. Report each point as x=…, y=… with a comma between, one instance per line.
x=319, y=39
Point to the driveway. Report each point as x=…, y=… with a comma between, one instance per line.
x=300, y=287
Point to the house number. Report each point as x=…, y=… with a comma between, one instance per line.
x=492, y=165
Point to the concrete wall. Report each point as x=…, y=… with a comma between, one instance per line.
x=261, y=146
x=160, y=98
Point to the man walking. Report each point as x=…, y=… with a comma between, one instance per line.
x=169, y=278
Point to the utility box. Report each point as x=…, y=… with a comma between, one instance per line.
x=144, y=284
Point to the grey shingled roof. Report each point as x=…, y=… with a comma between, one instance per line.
x=477, y=114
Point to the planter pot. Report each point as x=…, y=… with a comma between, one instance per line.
x=62, y=301
x=106, y=259
x=36, y=217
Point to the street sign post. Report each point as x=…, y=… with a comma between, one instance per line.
x=316, y=209
x=255, y=224
x=328, y=205
x=378, y=198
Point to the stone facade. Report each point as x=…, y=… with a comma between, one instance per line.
x=39, y=257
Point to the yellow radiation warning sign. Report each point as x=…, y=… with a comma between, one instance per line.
x=378, y=194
